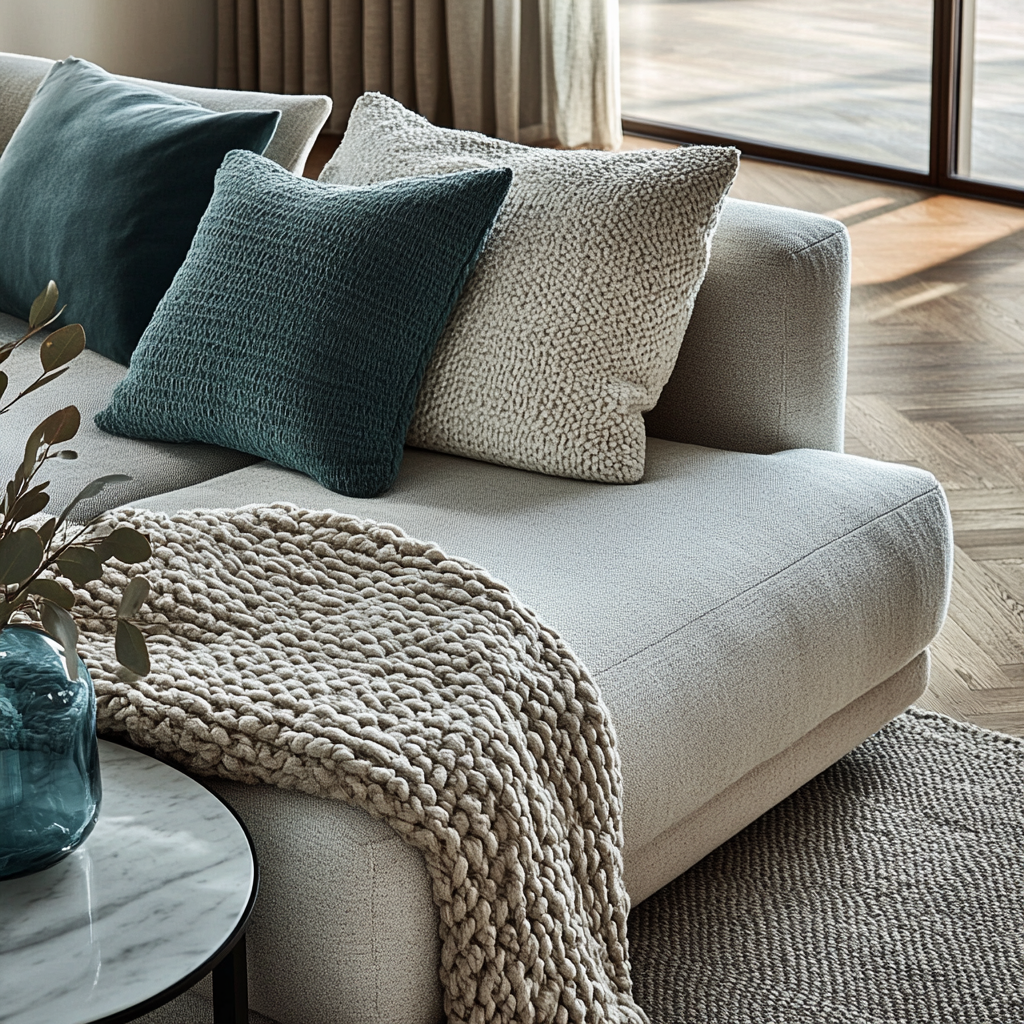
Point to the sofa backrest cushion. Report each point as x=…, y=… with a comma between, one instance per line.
x=300, y=324
x=302, y=117
x=572, y=323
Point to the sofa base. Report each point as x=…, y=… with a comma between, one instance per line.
x=693, y=838
x=344, y=900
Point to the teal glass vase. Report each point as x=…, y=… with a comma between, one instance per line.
x=49, y=762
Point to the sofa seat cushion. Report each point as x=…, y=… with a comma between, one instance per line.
x=88, y=383
x=726, y=605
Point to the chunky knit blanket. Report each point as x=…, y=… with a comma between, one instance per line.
x=319, y=652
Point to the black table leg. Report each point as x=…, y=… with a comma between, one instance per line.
x=231, y=988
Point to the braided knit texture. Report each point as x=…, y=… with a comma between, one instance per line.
x=572, y=322
x=319, y=652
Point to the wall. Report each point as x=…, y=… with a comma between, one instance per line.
x=165, y=40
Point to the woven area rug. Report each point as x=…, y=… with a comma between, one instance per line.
x=889, y=890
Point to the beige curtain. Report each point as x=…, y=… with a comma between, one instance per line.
x=525, y=70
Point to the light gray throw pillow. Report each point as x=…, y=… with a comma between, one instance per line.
x=302, y=117
x=572, y=322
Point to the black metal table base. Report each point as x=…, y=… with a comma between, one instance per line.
x=231, y=987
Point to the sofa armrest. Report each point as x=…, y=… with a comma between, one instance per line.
x=762, y=367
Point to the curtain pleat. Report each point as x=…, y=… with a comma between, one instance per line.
x=433, y=93
x=523, y=70
x=293, y=64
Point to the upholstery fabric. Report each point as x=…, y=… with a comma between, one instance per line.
x=353, y=662
x=523, y=71
x=763, y=365
x=302, y=321
x=572, y=324
x=824, y=576
x=101, y=188
x=302, y=117
x=154, y=466
x=682, y=845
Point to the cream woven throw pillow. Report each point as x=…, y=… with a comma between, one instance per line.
x=571, y=324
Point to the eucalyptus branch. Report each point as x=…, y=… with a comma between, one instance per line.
x=28, y=556
x=9, y=347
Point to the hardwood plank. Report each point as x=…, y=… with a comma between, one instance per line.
x=967, y=663
x=990, y=616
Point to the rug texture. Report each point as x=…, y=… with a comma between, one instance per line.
x=319, y=652
x=888, y=890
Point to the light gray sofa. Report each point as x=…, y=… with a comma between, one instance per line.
x=753, y=609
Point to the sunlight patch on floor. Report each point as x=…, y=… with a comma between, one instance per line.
x=914, y=238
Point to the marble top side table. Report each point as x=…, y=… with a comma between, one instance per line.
x=158, y=895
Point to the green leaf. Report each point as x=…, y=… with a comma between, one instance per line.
x=30, y=503
x=52, y=591
x=130, y=648
x=62, y=628
x=44, y=305
x=80, y=565
x=133, y=597
x=61, y=346
x=21, y=553
x=8, y=608
x=46, y=531
x=4, y=381
x=61, y=425
x=126, y=545
x=32, y=446
x=66, y=453
x=91, y=490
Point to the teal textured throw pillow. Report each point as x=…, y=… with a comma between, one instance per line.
x=101, y=188
x=302, y=321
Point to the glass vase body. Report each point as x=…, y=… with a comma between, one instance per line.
x=49, y=762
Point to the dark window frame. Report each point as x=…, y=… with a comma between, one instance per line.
x=941, y=175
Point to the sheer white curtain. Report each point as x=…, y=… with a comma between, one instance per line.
x=524, y=70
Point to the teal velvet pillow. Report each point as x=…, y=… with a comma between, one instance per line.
x=302, y=321
x=101, y=188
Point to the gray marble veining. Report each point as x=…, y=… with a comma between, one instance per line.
x=148, y=897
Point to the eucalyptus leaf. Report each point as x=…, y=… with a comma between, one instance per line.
x=133, y=597
x=130, y=648
x=65, y=453
x=80, y=564
x=32, y=446
x=43, y=306
x=126, y=545
x=90, y=490
x=61, y=425
x=4, y=381
x=21, y=553
x=52, y=591
x=8, y=608
x=29, y=504
x=62, y=346
x=46, y=531
x=62, y=628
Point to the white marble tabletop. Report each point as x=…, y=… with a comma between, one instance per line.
x=152, y=893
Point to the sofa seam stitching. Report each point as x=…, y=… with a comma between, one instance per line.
x=755, y=586
x=819, y=241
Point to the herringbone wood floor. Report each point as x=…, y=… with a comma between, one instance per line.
x=936, y=380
